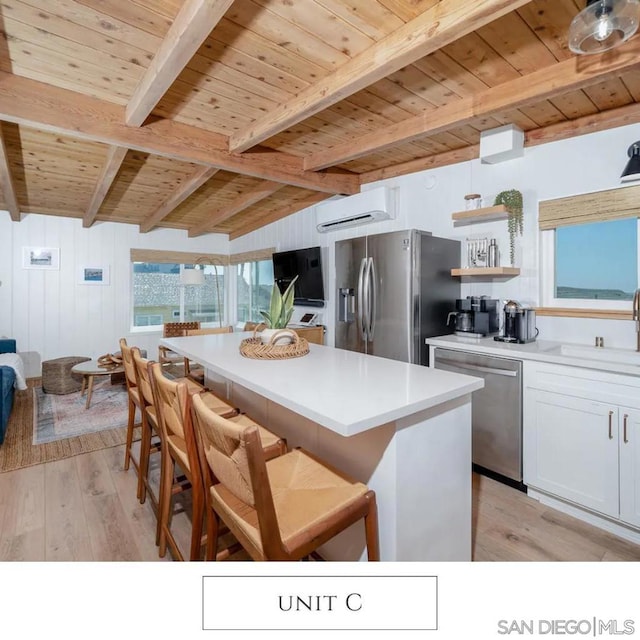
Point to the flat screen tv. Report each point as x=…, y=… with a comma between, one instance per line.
x=307, y=265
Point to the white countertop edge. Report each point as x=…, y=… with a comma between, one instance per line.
x=539, y=350
x=345, y=429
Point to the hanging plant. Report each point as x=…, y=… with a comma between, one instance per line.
x=512, y=200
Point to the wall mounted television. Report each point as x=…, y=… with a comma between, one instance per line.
x=307, y=265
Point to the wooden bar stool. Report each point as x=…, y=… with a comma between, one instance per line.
x=281, y=509
x=151, y=433
x=173, y=404
x=134, y=402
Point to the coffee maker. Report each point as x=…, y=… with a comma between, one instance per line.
x=476, y=316
x=519, y=324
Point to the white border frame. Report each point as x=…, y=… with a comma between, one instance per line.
x=104, y=275
x=28, y=258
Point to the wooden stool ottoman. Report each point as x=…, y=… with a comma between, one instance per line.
x=57, y=377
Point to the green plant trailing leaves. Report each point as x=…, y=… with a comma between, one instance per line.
x=512, y=200
x=280, y=307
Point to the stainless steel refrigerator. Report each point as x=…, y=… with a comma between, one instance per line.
x=393, y=291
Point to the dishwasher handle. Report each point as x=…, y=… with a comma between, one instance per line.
x=477, y=367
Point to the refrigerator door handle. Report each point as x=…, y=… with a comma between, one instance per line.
x=373, y=302
x=366, y=303
x=360, y=302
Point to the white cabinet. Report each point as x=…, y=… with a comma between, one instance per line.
x=629, y=438
x=569, y=453
x=582, y=438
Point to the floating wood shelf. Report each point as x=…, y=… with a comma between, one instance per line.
x=487, y=271
x=486, y=214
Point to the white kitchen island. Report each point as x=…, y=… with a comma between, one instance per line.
x=404, y=430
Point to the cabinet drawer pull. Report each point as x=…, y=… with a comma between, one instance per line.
x=624, y=428
x=610, y=425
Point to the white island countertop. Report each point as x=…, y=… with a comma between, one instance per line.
x=344, y=391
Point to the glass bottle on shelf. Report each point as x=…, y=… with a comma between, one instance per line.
x=473, y=201
x=493, y=258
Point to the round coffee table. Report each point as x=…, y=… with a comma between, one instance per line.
x=89, y=370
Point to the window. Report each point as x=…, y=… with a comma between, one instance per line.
x=147, y=320
x=162, y=294
x=597, y=261
x=589, y=251
x=254, y=281
x=591, y=266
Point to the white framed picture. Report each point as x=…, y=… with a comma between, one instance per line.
x=94, y=275
x=41, y=258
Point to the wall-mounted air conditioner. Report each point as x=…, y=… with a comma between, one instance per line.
x=369, y=206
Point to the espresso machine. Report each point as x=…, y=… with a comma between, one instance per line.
x=475, y=316
x=519, y=324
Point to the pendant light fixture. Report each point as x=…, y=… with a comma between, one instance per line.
x=632, y=170
x=603, y=25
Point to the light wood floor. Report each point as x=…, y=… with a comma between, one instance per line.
x=85, y=508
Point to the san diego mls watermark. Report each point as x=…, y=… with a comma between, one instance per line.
x=566, y=627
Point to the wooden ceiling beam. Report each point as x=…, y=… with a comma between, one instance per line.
x=619, y=117
x=569, y=75
x=35, y=104
x=7, y=184
x=441, y=24
x=281, y=212
x=244, y=201
x=115, y=157
x=194, y=22
x=422, y=164
x=199, y=177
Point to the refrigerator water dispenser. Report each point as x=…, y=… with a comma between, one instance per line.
x=346, y=305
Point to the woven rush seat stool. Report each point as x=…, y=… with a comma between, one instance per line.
x=57, y=377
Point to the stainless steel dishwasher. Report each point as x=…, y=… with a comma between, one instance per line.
x=496, y=411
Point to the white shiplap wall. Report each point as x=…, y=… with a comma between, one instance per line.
x=426, y=200
x=49, y=313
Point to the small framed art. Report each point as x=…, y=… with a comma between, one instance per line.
x=41, y=258
x=94, y=275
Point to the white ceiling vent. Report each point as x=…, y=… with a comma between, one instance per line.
x=369, y=206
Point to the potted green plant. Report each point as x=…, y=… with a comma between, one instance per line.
x=512, y=200
x=279, y=314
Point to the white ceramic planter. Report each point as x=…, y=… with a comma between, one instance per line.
x=284, y=337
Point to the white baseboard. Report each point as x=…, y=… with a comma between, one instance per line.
x=617, y=528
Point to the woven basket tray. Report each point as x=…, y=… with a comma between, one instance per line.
x=254, y=348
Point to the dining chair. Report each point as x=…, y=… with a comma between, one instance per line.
x=134, y=402
x=166, y=356
x=179, y=449
x=208, y=331
x=250, y=326
x=197, y=373
x=281, y=509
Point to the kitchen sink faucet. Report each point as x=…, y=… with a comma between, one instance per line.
x=636, y=316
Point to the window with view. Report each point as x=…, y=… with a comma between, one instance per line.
x=162, y=293
x=254, y=282
x=597, y=261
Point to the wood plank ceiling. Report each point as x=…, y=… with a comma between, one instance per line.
x=223, y=116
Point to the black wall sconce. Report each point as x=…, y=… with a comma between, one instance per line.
x=632, y=170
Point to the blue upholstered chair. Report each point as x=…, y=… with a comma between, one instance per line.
x=7, y=380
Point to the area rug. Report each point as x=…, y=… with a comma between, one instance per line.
x=18, y=451
x=64, y=416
